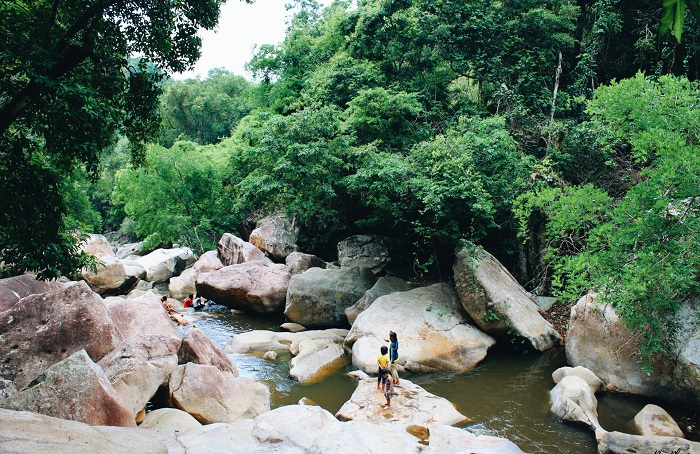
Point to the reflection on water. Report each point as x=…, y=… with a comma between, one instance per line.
x=506, y=396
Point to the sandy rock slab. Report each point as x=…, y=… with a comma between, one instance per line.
x=289, y=429
x=410, y=404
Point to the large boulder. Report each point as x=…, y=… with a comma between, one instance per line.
x=598, y=339
x=76, y=389
x=573, y=400
x=96, y=245
x=211, y=395
x=31, y=433
x=198, y=348
x=13, y=289
x=654, y=420
x=41, y=330
x=410, y=404
x=276, y=236
x=134, y=269
x=364, y=251
x=109, y=278
x=318, y=297
x=495, y=300
x=259, y=341
x=139, y=366
x=383, y=286
x=169, y=418
x=185, y=284
x=259, y=287
x=298, y=262
x=314, y=430
x=233, y=250
x=595, y=383
x=162, y=264
x=315, y=360
x=432, y=328
x=208, y=262
x=622, y=443
x=129, y=250
x=143, y=315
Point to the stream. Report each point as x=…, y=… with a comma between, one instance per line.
x=507, y=395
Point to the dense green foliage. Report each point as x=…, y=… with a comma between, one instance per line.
x=66, y=88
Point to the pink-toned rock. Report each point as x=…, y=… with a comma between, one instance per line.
x=298, y=262
x=97, y=245
x=13, y=289
x=41, y=330
x=75, y=389
x=140, y=316
x=276, y=236
x=259, y=287
x=198, y=348
x=654, y=420
x=212, y=396
x=139, y=366
x=110, y=277
x=233, y=250
x=208, y=262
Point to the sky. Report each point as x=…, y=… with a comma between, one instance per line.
x=241, y=26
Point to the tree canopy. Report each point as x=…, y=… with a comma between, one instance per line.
x=67, y=87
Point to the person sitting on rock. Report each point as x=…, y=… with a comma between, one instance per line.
x=382, y=362
x=199, y=303
x=188, y=301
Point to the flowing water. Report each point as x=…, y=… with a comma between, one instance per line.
x=507, y=395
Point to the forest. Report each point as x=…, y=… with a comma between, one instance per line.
x=561, y=135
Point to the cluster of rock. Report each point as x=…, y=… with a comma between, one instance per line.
x=573, y=400
x=70, y=354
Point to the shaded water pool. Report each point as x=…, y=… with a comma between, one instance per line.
x=507, y=395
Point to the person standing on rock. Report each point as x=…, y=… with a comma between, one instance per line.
x=383, y=363
x=393, y=355
x=389, y=388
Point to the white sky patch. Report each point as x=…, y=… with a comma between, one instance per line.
x=241, y=27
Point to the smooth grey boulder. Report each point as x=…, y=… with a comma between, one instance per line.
x=41, y=330
x=139, y=366
x=260, y=341
x=574, y=401
x=383, y=286
x=258, y=287
x=169, y=418
x=314, y=360
x=142, y=315
x=129, y=250
x=197, y=348
x=76, y=389
x=162, y=264
x=233, y=250
x=110, y=277
x=495, y=300
x=595, y=383
x=622, y=443
x=432, y=327
x=276, y=236
x=317, y=298
x=183, y=285
x=211, y=395
x=298, y=262
x=364, y=251
x=13, y=289
x=598, y=340
x=96, y=245
x=410, y=404
x=31, y=433
x=654, y=420
x=133, y=269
